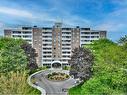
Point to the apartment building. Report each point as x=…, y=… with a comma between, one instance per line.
x=23, y=32
x=55, y=44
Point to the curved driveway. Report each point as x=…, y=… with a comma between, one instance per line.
x=53, y=88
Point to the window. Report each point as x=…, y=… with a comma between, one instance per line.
x=66, y=32
x=47, y=36
x=94, y=32
x=64, y=52
x=46, y=56
x=17, y=32
x=27, y=36
x=66, y=48
x=17, y=36
x=65, y=56
x=47, y=32
x=47, y=48
x=85, y=36
x=47, y=44
x=85, y=32
x=94, y=36
x=66, y=28
x=85, y=40
x=26, y=28
x=47, y=40
x=26, y=32
x=85, y=28
x=47, y=52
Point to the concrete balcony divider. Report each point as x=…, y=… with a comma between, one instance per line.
x=43, y=92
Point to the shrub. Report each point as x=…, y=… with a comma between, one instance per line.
x=15, y=83
x=13, y=68
x=49, y=75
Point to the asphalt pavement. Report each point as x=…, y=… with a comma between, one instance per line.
x=51, y=87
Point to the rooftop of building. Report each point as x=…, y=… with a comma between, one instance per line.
x=56, y=25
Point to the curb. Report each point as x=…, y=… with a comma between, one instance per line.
x=43, y=92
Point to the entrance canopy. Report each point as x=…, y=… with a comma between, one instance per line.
x=56, y=64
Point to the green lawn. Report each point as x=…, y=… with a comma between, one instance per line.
x=75, y=90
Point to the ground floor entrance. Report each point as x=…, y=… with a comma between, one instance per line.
x=56, y=64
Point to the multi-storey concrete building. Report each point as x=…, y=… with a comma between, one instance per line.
x=20, y=32
x=55, y=44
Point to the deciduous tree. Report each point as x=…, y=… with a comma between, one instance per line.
x=81, y=63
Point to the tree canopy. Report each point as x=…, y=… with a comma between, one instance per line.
x=81, y=63
x=17, y=58
x=109, y=69
x=12, y=57
x=31, y=56
x=123, y=40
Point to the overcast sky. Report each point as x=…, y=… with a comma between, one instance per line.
x=110, y=15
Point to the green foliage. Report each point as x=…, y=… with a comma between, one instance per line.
x=123, y=40
x=49, y=75
x=109, y=69
x=38, y=69
x=95, y=87
x=66, y=68
x=31, y=56
x=42, y=68
x=57, y=76
x=76, y=90
x=16, y=83
x=67, y=76
x=125, y=46
x=81, y=63
x=13, y=68
x=12, y=57
x=54, y=73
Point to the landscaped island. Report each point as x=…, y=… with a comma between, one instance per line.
x=57, y=76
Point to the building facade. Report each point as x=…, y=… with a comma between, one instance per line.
x=20, y=32
x=55, y=44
